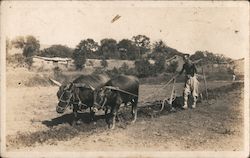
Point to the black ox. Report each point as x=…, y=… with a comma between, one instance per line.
x=79, y=94
x=121, y=89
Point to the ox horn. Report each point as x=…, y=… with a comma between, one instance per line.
x=92, y=88
x=55, y=82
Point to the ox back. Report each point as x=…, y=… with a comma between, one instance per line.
x=128, y=84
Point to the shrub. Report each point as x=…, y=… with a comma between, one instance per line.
x=57, y=72
x=172, y=67
x=144, y=68
x=159, y=65
x=104, y=63
x=114, y=72
x=16, y=59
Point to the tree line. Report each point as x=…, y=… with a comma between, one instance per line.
x=138, y=48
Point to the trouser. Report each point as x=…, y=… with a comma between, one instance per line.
x=191, y=86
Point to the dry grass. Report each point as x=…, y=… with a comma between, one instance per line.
x=32, y=122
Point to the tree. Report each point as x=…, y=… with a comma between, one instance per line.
x=108, y=49
x=143, y=43
x=159, y=65
x=83, y=50
x=104, y=63
x=172, y=67
x=144, y=68
x=91, y=47
x=128, y=49
x=209, y=57
x=18, y=42
x=159, y=49
x=32, y=46
x=57, y=51
x=29, y=44
x=79, y=54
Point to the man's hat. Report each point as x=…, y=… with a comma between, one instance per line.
x=186, y=55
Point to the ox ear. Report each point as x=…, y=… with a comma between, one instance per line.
x=55, y=82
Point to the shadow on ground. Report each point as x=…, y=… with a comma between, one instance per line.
x=68, y=119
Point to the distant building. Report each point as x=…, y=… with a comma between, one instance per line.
x=46, y=63
x=96, y=63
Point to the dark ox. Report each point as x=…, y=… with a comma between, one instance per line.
x=121, y=89
x=80, y=94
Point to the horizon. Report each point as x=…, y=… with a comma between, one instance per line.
x=44, y=46
x=217, y=27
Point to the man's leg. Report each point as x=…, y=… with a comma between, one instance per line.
x=195, y=92
x=194, y=101
x=185, y=96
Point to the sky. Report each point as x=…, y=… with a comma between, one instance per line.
x=218, y=27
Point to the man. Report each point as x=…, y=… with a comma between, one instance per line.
x=191, y=82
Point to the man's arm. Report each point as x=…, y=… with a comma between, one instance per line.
x=183, y=67
x=178, y=74
x=195, y=69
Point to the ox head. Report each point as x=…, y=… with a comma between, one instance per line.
x=65, y=96
x=70, y=94
x=101, y=96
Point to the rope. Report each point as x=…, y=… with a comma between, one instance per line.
x=161, y=87
x=118, y=89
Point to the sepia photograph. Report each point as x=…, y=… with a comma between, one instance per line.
x=124, y=79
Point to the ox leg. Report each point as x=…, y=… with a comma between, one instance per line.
x=74, y=115
x=117, y=118
x=114, y=112
x=134, y=110
x=92, y=115
x=106, y=116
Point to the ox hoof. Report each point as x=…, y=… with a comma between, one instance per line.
x=112, y=127
x=78, y=122
x=172, y=110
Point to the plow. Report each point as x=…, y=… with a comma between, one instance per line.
x=167, y=102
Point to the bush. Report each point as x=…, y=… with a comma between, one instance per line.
x=16, y=60
x=57, y=72
x=159, y=65
x=124, y=69
x=104, y=63
x=172, y=67
x=99, y=70
x=57, y=51
x=114, y=72
x=29, y=61
x=144, y=68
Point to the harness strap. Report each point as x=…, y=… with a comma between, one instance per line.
x=118, y=89
x=79, y=100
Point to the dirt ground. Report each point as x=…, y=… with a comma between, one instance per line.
x=32, y=123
